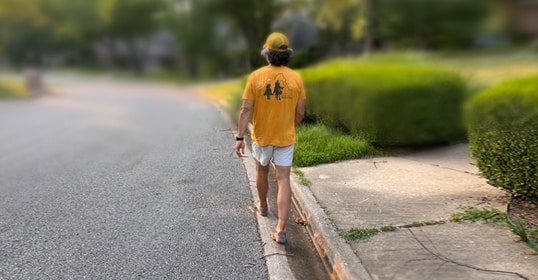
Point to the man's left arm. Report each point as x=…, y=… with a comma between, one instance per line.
x=299, y=111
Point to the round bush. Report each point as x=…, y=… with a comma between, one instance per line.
x=502, y=124
x=389, y=104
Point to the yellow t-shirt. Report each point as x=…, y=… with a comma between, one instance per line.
x=275, y=92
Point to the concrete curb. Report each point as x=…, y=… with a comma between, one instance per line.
x=337, y=255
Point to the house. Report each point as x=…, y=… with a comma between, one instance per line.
x=527, y=21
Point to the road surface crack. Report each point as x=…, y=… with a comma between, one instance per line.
x=448, y=260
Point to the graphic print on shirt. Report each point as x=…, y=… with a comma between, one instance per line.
x=268, y=92
x=278, y=90
x=277, y=87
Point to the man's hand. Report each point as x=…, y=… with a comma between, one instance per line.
x=240, y=148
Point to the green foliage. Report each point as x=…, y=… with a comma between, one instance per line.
x=32, y=30
x=430, y=24
x=306, y=57
x=521, y=228
x=317, y=144
x=532, y=238
x=133, y=18
x=302, y=179
x=235, y=99
x=388, y=104
x=235, y=104
x=24, y=43
x=12, y=89
x=38, y=27
x=487, y=214
x=252, y=18
x=346, y=19
x=388, y=228
x=355, y=234
x=5, y=92
x=503, y=132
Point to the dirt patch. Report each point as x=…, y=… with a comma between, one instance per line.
x=525, y=210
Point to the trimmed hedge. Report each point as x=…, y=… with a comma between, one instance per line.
x=388, y=104
x=502, y=124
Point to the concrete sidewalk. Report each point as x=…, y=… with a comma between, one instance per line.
x=419, y=187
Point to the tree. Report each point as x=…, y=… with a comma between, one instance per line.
x=131, y=21
x=342, y=23
x=24, y=32
x=35, y=29
x=430, y=23
x=253, y=19
x=38, y=27
x=222, y=34
x=193, y=24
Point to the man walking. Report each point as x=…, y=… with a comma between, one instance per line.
x=275, y=96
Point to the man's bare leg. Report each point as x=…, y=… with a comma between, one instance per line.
x=283, y=197
x=262, y=184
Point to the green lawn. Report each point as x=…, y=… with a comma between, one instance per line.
x=12, y=88
x=317, y=144
x=224, y=92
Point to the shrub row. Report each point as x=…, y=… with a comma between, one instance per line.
x=388, y=104
x=502, y=124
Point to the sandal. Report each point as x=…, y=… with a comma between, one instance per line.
x=263, y=211
x=279, y=237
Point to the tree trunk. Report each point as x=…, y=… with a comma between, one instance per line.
x=368, y=32
x=256, y=26
x=136, y=55
x=33, y=80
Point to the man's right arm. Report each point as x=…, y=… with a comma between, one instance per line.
x=244, y=117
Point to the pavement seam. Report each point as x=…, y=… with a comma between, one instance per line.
x=449, y=260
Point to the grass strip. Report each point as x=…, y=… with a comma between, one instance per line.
x=10, y=88
x=486, y=214
x=318, y=144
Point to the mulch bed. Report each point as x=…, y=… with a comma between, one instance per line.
x=525, y=210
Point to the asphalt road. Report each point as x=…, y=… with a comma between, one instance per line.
x=109, y=180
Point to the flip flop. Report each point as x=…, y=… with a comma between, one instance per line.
x=264, y=211
x=279, y=237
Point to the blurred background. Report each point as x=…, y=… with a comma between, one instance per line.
x=213, y=39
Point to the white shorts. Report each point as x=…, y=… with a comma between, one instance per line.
x=281, y=156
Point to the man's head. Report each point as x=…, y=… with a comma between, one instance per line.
x=277, y=50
